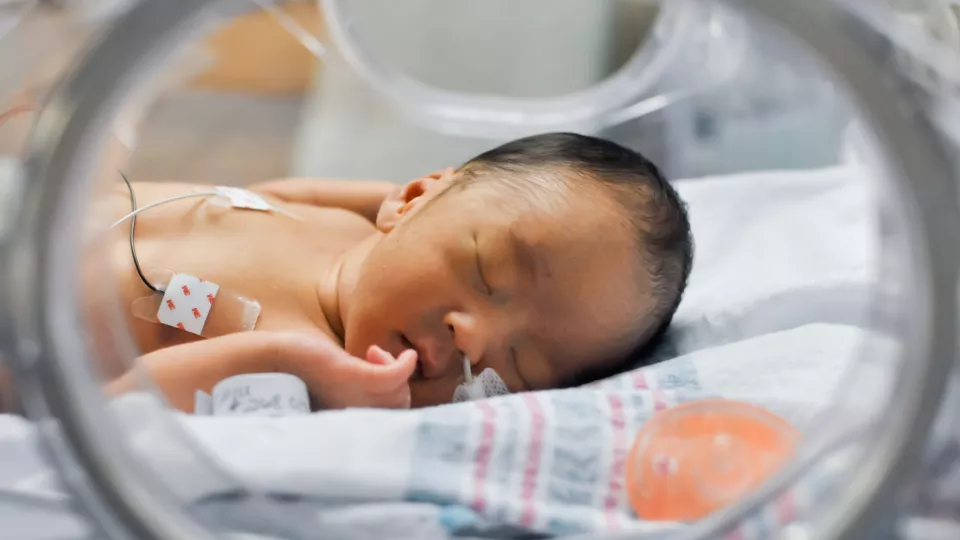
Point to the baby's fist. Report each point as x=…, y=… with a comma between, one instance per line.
x=338, y=380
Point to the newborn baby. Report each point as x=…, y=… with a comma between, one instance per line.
x=553, y=259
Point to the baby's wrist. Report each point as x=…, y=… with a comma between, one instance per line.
x=296, y=354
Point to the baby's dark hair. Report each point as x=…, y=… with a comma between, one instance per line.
x=654, y=210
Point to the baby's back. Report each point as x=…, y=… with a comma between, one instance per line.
x=271, y=258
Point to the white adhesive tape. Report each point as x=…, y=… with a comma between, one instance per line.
x=186, y=303
x=242, y=198
x=248, y=200
x=260, y=394
x=231, y=313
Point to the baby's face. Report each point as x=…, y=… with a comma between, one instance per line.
x=537, y=290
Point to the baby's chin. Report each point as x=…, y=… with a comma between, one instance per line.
x=355, y=340
x=427, y=393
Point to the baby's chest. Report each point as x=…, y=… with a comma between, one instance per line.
x=267, y=267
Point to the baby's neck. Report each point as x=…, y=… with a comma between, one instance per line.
x=337, y=284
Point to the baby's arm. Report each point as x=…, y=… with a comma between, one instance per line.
x=334, y=378
x=361, y=196
x=181, y=370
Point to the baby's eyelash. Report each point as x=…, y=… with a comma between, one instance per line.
x=483, y=281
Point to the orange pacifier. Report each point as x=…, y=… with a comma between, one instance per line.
x=695, y=458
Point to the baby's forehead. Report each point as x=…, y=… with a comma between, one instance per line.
x=574, y=236
x=577, y=205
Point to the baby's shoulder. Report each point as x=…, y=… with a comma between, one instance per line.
x=324, y=222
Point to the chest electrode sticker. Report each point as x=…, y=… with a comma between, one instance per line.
x=242, y=198
x=187, y=302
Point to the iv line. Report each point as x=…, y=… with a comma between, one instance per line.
x=133, y=234
x=165, y=201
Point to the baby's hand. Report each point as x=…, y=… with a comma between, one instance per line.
x=338, y=380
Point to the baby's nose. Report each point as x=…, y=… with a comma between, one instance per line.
x=464, y=333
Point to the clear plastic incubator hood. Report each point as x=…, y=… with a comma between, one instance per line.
x=325, y=302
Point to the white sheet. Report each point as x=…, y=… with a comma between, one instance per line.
x=766, y=235
x=784, y=270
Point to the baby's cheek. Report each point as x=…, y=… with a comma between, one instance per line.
x=513, y=382
x=359, y=348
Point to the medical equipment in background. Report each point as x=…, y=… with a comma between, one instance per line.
x=686, y=52
x=777, y=112
x=775, y=116
x=925, y=33
x=44, y=342
x=738, y=100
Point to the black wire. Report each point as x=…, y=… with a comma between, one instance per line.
x=133, y=231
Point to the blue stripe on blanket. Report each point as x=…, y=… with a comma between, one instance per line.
x=441, y=452
x=577, y=448
x=677, y=373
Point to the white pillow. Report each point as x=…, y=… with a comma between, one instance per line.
x=776, y=251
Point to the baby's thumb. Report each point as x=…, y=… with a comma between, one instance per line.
x=397, y=372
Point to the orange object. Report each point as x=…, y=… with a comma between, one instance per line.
x=695, y=458
x=255, y=54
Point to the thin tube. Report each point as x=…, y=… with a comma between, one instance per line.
x=165, y=201
x=133, y=235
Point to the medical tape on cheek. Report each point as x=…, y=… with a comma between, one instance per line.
x=195, y=305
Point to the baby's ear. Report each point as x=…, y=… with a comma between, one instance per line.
x=411, y=196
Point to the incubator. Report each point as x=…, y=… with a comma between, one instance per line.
x=808, y=386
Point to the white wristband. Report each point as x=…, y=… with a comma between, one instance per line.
x=256, y=394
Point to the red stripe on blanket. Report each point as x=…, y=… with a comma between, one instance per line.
x=660, y=400
x=616, y=484
x=736, y=534
x=786, y=509
x=639, y=380
x=484, y=451
x=534, y=451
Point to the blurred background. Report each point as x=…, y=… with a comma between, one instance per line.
x=250, y=102
x=264, y=106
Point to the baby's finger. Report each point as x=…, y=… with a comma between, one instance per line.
x=378, y=356
x=408, y=355
x=387, y=378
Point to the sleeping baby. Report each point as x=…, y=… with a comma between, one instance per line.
x=554, y=260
